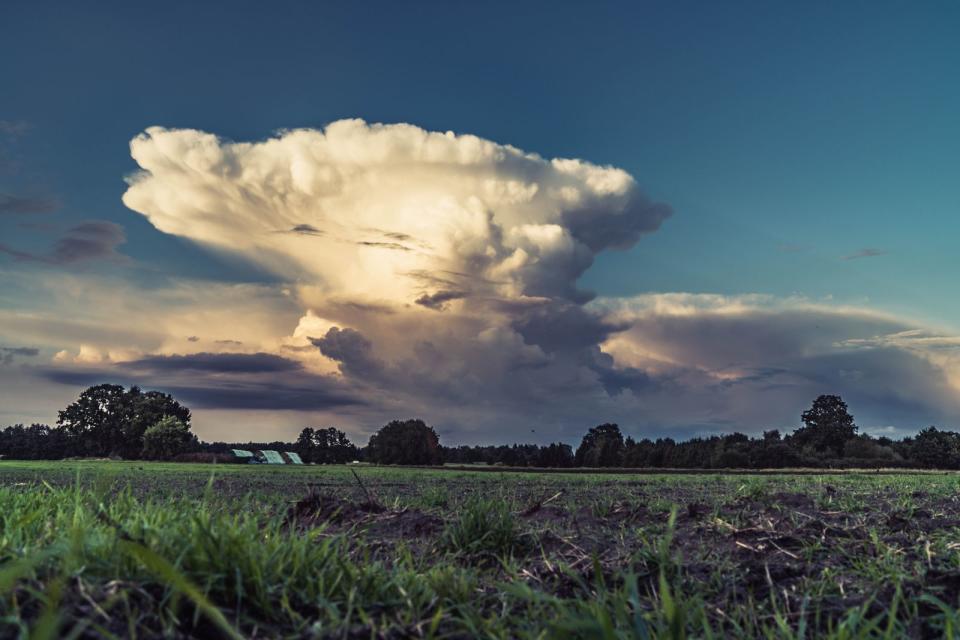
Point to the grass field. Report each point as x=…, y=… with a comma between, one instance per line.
x=104, y=549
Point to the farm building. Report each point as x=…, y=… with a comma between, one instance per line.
x=267, y=456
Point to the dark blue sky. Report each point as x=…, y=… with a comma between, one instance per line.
x=807, y=150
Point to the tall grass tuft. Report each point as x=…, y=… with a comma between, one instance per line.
x=485, y=526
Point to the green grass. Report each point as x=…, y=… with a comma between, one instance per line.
x=150, y=550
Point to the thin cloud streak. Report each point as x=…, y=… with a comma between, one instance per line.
x=11, y=204
x=865, y=253
x=89, y=240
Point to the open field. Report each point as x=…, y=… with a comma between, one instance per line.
x=105, y=549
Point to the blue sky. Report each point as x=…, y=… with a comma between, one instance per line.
x=806, y=151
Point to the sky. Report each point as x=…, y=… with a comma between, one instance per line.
x=514, y=220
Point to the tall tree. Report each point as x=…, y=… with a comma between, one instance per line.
x=602, y=446
x=325, y=446
x=555, y=455
x=827, y=426
x=109, y=420
x=95, y=421
x=405, y=442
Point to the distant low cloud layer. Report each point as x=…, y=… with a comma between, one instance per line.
x=435, y=275
x=7, y=354
x=89, y=240
x=750, y=360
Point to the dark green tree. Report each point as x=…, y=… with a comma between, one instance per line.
x=405, y=442
x=36, y=442
x=326, y=446
x=935, y=449
x=602, y=446
x=108, y=420
x=827, y=426
x=556, y=455
x=146, y=409
x=775, y=455
x=305, y=444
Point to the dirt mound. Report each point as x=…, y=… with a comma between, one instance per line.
x=405, y=523
x=790, y=500
x=696, y=511
x=317, y=508
x=546, y=513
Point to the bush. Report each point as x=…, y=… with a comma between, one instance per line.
x=864, y=448
x=166, y=439
x=733, y=459
x=935, y=449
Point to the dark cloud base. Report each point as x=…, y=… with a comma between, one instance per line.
x=7, y=354
x=221, y=381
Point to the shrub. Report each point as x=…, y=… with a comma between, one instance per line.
x=166, y=439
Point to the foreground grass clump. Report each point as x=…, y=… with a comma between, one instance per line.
x=485, y=527
x=151, y=550
x=75, y=562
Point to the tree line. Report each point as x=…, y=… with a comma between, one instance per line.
x=112, y=421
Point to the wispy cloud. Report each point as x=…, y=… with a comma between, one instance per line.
x=437, y=301
x=14, y=128
x=13, y=204
x=307, y=230
x=865, y=253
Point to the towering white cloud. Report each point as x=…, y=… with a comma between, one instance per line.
x=392, y=213
x=435, y=271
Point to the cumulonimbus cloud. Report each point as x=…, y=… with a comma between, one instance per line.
x=440, y=267
x=434, y=274
x=364, y=210
x=441, y=270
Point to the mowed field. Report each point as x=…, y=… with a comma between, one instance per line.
x=110, y=549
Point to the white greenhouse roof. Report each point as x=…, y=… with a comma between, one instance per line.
x=272, y=457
